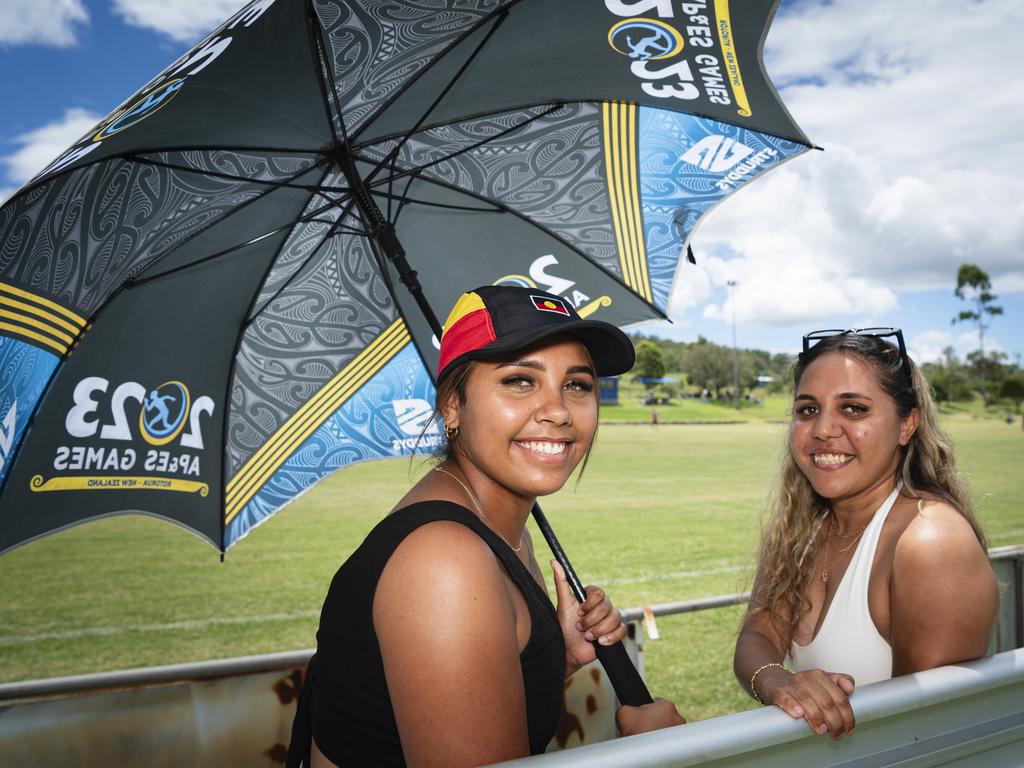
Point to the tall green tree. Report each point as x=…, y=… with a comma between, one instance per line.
x=650, y=362
x=1013, y=389
x=708, y=365
x=974, y=287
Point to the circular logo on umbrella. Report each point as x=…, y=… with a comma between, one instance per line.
x=644, y=39
x=163, y=412
x=141, y=109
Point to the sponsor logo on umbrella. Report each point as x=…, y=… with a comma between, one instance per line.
x=163, y=412
x=645, y=39
x=141, y=109
x=7, y=433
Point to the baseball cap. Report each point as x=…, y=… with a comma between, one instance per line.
x=494, y=322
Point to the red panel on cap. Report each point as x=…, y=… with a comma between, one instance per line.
x=472, y=331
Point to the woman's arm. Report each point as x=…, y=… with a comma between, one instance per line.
x=818, y=696
x=446, y=625
x=943, y=595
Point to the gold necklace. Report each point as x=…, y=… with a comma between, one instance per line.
x=479, y=509
x=833, y=530
x=842, y=551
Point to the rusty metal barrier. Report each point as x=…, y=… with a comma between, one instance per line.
x=239, y=711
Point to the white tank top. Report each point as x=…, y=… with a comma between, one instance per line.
x=847, y=640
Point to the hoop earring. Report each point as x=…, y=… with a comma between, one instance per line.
x=450, y=433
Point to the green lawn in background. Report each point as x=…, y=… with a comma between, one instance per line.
x=662, y=514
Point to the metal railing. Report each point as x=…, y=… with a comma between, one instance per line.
x=239, y=711
x=966, y=715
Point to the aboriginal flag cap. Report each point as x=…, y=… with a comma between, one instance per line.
x=494, y=322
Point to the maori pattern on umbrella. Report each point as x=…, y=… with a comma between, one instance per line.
x=79, y=236
x=544, y=164
x=330, y=311
x=376, y=46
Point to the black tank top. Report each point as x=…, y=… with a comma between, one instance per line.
x=345, y=703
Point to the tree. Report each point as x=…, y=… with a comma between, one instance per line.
x=973, y=286
x=949, y=378
x=1013, y=389
x=650, y=362
x=708, y=365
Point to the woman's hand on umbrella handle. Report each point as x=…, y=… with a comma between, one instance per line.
x=662, y=713
x=595, y=620
x=820, y=697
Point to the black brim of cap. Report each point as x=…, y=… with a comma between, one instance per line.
x=610, y=348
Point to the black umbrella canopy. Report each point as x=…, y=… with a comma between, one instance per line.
x=202, y=309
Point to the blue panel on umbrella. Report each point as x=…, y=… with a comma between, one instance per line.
x=24, y=372
x=384, y=419
x=687, y=165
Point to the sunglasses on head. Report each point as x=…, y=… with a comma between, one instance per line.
x=878, y=333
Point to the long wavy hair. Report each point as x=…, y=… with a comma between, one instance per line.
x=927, y=471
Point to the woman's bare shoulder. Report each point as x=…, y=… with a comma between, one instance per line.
x=442, y=565
x=937, y=534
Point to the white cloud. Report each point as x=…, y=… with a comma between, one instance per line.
x=927, y=346
x=924, y=146
x=185, y=21
x=40, y=146
x=41, y=22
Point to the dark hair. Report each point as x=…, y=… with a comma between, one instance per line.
x=452, y=385
x=893, y=371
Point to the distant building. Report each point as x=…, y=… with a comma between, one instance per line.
x=609, y=388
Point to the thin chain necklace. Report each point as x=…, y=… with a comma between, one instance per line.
x=833, y=531
x=479, y=509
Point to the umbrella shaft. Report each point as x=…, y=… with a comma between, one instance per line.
x=629, y=686
x=383, y=233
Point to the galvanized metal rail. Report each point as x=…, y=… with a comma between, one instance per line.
x=239, y=711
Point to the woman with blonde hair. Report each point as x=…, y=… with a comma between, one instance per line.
x=873, y=564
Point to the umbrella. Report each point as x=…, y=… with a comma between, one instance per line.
x=227, y=289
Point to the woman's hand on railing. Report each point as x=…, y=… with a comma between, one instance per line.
x=819, y=697
x=661, y=713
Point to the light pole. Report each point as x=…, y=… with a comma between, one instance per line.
x=735, y=360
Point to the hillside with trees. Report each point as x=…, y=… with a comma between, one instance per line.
x=985, y=376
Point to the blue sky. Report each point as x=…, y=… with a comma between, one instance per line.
x=922, y=129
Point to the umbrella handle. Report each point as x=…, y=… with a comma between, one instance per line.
x=629, y=686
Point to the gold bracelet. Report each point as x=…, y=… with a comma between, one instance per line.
x=757, y=672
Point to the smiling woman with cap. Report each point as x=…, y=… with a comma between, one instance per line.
x=438, y=644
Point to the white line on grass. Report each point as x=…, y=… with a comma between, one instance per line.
x=676, y=575
x=200, y=624
x=73, y=634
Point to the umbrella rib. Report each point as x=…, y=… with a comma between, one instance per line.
x=502, y=14
x=405, y=199
x=141, y=159
x=420, y=168
x=325, y=72
x=502, y=11
x=335, y=228
x=554, y=235
x=130, y=278
x=276, y=230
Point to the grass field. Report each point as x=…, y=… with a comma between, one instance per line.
x=662, y=514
